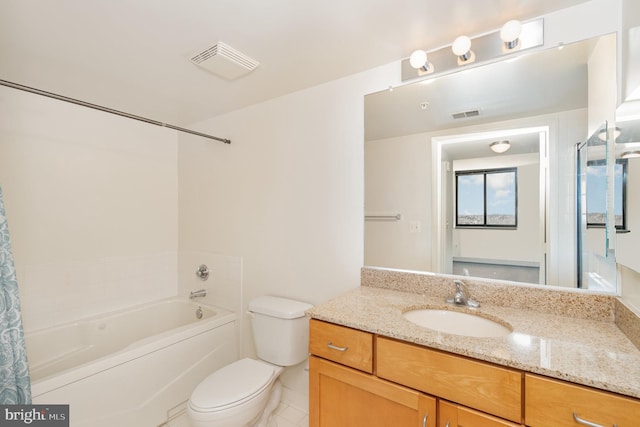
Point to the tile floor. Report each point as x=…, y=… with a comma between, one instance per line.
x=285, y=415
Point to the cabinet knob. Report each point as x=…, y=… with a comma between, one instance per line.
x=587, y=423
x=336, y=347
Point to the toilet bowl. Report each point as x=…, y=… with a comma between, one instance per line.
x=233, y=396
x=246, y=392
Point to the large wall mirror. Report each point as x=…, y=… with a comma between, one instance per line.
x=441, y=195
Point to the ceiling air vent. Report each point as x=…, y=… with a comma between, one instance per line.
x=465, y=114
x=224, y=61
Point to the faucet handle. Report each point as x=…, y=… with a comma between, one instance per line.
x=460, y=287
x=462, y=296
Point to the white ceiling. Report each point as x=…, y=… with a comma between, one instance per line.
x=133, y=55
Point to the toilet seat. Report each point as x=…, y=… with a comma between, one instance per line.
x=232, y=385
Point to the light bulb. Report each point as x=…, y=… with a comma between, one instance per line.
x=511, y=31
x=461, y=46
x=418, y=58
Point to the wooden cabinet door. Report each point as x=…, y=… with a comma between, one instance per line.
x=343, y=397
x=452, y=415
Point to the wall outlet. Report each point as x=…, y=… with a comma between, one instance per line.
x=415, y=227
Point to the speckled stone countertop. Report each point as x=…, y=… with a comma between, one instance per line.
x=583, y=346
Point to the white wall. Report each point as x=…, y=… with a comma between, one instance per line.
x=397, y=180
x=91, y=202
x=287, y=194
x=602, y=82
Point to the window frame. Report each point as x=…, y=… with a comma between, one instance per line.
x=486, y=172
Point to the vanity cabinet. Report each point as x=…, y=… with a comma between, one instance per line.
x=552, y=402
x=371, y=380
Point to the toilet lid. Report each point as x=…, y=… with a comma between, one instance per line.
x=231, y=384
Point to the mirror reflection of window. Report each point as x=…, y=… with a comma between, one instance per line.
x=487, y=198
x=597, y=193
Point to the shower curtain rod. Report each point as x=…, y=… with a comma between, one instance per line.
x=108, y=110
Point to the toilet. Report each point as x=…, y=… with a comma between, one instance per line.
x=245, y=393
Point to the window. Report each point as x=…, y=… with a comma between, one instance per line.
x=487, y=198
x=597, y=193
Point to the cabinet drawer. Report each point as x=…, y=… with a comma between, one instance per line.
x=478, y=385
x=347, y=346
x=553, y=403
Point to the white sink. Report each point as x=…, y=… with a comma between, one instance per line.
x=457, y=323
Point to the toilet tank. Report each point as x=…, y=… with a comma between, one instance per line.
x=280, y=329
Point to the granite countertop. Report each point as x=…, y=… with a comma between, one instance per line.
x=592, y=352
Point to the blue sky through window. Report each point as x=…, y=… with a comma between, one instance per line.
x=471, y=194
x=501, y=193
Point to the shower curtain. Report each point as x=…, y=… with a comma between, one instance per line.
x=15, y=386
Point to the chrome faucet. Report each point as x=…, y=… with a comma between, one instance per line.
x=198, y=293
x=462, y=296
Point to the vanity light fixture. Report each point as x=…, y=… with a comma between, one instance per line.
x=500, y=146
x=510, y=34
x=630, y=154
x=508, y=41
x=420, y=62
x=462, y=49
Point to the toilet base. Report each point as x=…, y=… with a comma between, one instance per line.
x=272, y=404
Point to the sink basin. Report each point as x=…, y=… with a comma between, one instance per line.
x=457, y=323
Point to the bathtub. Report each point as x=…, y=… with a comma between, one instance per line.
x=134, y=367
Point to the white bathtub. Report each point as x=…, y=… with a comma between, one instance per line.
x=134, y=367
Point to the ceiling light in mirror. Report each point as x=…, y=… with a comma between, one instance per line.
x=603, y=133
x=631, y=154
x=500, y=146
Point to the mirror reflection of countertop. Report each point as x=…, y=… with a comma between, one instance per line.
x=587, y=351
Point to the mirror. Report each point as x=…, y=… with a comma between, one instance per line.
x=422, y=141
x=627, y=149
